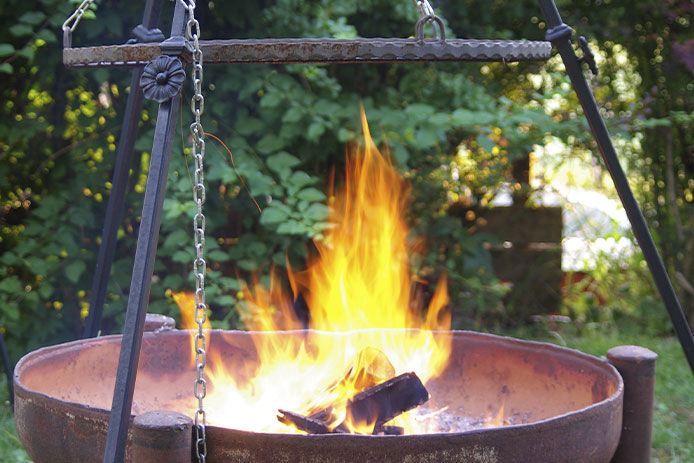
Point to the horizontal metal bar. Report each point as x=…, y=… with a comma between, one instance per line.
x=279, y=51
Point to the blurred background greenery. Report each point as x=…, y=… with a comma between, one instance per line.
x=455, y=131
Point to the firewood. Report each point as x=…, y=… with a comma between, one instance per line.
x=383, y=402
x=377, y=404
x=304, y=423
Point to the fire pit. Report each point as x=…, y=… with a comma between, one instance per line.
x=558, y=404
x=487, y=398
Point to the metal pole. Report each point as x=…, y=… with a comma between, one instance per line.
x=560, y=35
x=8, y=369
x=143, y=268
x=116, y=200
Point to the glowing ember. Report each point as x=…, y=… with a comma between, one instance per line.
x=360, y=280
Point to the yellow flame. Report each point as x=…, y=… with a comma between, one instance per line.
x=360, y=278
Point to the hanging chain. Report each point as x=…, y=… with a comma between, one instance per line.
x=197, y=106
x=425, y=9
x=71, y=23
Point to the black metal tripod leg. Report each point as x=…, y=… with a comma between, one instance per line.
x=164, y=78
x=8, y=369
x=141, y=282
x=116, y=200
x=560, y=35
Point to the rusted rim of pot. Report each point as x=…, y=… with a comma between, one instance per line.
x=598, y=364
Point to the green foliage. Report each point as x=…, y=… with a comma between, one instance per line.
x=452, y=130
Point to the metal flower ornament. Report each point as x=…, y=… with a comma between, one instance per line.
x=162, y=78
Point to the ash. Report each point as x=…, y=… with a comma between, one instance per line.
x=444, y=421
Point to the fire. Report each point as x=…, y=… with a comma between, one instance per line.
x=186, y=302
x=497, y=420
x=359, y=282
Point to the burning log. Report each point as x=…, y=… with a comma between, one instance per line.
x=382, y=403
x=304, y=423
x=375, y=405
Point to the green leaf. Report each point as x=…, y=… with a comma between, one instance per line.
x=218, y=256
x=47, y=36
x=21, y=30
x=291, y=227
x=32, y=17
x=426, y=137
x=45, y=290
x=248, y=125
x=269, y=143
x=282, y=160
x=485, y=142
x=300, y=178
x=440, y=119
x=229, y=283
x=294, y=114
x=182, y=256
x=315, y=130
x=419, y=110
x=271, y=100
x=26, y=52
x=74, y=270
x=6, y=49
x=311, y=194
x=11, y=285
x=272, y=215
x=317, y=212
x=6, y=68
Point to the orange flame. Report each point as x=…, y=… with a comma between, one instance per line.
x=185, y=300
x=497, y=420
x=360, y=279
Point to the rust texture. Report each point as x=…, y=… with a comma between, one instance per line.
x=157, y=322
x=570, y=402
x=162, y=437
x=637, y=367
x=364, y=50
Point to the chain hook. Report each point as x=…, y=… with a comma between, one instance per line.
x=72, y=21
x=425, y=9
x=428, y=15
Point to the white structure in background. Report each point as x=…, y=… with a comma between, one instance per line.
x=594, y=224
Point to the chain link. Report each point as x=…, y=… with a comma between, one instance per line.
x=71, y=22
x=197, y=107
x=425, y=9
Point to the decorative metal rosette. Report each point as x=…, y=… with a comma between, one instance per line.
x=162, y=78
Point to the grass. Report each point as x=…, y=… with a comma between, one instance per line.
x=673, y=421
x=11, y=449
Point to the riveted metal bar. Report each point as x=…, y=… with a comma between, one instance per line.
x=279, y=51
x=560, y=34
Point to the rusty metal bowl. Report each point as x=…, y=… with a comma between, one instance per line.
x=572, y=403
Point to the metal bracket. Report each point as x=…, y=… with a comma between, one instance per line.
x=588, y=56
x=144, y=35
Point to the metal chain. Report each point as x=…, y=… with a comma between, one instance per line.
x=425, y=9
x=74, y=18
x=197, y=107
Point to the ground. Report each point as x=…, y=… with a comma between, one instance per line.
x=673, y=422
